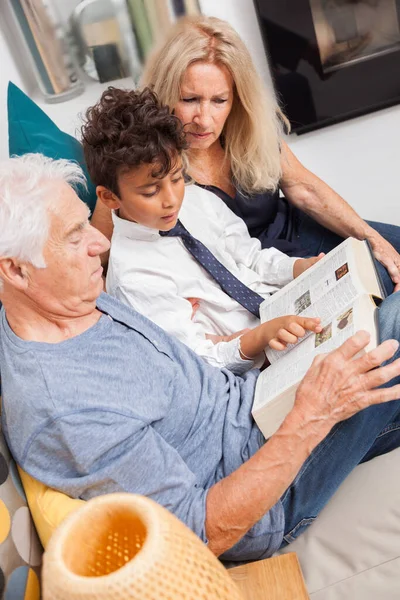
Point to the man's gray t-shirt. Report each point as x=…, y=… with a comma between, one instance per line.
x=126, y=407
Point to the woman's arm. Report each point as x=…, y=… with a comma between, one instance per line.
x=102, y=220
x=309, y=193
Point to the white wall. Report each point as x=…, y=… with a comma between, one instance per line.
x=359, y=158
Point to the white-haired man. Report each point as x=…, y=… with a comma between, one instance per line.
x=97, y=399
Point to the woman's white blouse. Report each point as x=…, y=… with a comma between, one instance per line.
x=155, y=275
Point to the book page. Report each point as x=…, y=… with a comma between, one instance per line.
x=322, y=291
x=289, y=371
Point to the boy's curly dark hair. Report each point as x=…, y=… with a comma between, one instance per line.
x=126, y=129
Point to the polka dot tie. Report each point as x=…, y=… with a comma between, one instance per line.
x=228, y=282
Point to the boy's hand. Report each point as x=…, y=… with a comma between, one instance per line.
x=287, y=330
x=302, y=264
x=276, y=333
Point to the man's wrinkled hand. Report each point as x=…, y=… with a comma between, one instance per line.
x=340, y=384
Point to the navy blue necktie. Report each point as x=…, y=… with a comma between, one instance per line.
x=228, y=282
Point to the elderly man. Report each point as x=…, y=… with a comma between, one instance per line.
x=98, y=399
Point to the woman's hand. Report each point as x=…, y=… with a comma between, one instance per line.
x=388, y=256
x=302, y=264
x=288, y=330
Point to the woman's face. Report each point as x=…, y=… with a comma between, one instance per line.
x=205, y=103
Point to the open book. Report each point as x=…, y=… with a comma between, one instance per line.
x=344, y=290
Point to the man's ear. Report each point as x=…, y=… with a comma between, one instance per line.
x=108, y=197
x=14, y=273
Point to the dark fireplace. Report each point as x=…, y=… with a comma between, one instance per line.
x=332, y=59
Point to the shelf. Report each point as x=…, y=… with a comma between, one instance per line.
x=67, y=115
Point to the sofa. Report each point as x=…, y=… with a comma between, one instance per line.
x=350, y=552
x=20, y=548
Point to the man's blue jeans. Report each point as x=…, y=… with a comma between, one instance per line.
x=315, y=238
x=373, y=431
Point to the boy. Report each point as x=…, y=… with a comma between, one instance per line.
x=134, y=149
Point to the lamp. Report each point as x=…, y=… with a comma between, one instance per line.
x=127, y=546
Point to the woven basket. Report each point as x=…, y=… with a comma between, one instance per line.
x=123, y=546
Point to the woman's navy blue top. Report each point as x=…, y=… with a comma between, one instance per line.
x=268, y=217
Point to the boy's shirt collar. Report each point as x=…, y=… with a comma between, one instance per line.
x=133, y=230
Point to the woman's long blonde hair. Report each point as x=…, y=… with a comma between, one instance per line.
x=255, y=124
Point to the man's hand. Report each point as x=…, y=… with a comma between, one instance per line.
x=302, y=264
x=388, y=256
x=340, y=384
x=336, y=386
x=287, y=330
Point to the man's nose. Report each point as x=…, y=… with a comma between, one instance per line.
x=99, y=243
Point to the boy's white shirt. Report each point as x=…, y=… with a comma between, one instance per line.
x=155, y=275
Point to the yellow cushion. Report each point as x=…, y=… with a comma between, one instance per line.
x=48, y=507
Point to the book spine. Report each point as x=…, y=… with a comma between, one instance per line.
x=192, y=7
x=44, y=36
x=142, y=26
x=159, y=14
x=377, y=272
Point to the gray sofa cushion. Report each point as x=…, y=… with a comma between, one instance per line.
x=352, y=550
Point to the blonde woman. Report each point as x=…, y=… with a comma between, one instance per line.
x=235, y=130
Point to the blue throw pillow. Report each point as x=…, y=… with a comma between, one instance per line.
x=31, y=130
